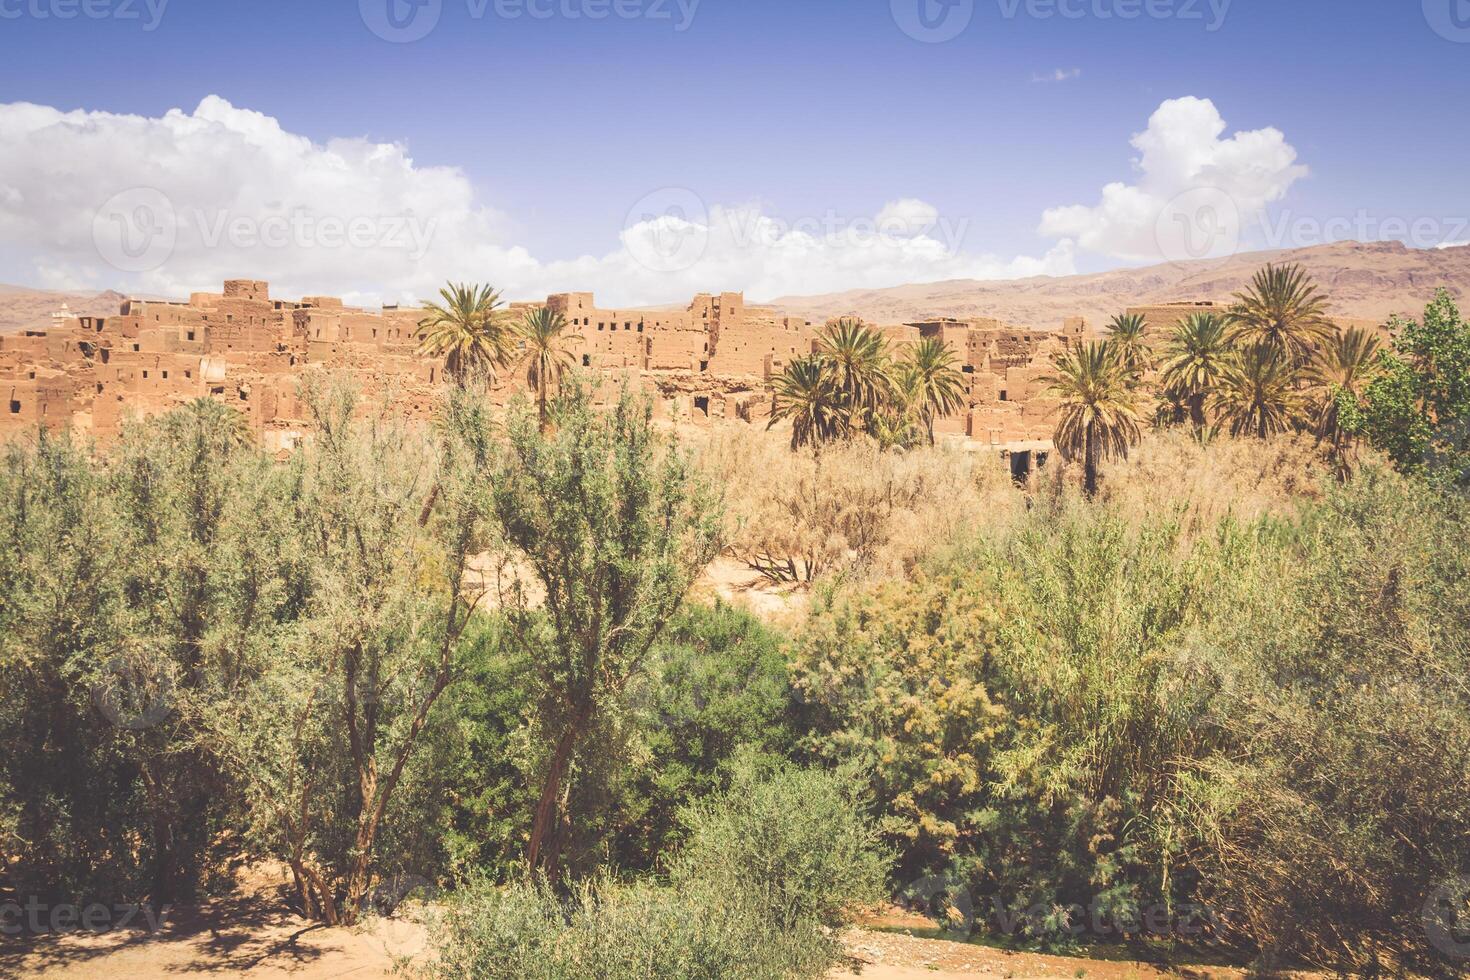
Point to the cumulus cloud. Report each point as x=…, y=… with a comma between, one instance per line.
x=1195, y=195
x=178, y=203
x=1057, y=75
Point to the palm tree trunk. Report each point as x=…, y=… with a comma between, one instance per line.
x=1197, y=409
x=1089, y=465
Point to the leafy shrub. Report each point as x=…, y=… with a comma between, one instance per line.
x=605, y=931
x=797, y=840
x=716, y=686
x=768, y=873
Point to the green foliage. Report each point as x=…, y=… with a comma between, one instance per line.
x=895, y=679
x=716, y=687
x=605, y=931
x=798, y=841
x=469, y=330
x=1417, y=410
x=1099, y=416
x=614, y=528
x=784, y=854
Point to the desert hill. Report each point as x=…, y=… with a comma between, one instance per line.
x=22, y=308
x=1372, y=281
x=1369, y=280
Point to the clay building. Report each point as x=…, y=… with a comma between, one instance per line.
x=713, y=359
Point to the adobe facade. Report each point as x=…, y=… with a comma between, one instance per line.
x=712, y=360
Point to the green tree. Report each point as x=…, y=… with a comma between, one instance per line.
x=321, y=723
x=547, y=359
x=1127, y=333
x=1257, y=393
x=807, y=396
x=468, y=330
x=1282, y=310
x=1099, y=415
x=1340, y=370
x=614, y=528
x=856, y=357
x=933, y=385
x=1417, y=408
x=1194, y=360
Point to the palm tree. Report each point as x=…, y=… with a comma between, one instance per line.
x=856, y=357
x=210, y=421
x=806, y=394
x=468, y=331
x=1099, y=411
x=1194, y=360
x=1257, y=392
x=1284, y=310
x=547, y=358
x=1343, y=366
x=932, y=385
x=1126, y=333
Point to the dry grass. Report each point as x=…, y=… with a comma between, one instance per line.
x=855, y=511
x=1239, y=478
x=851, y=509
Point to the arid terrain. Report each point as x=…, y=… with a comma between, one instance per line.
x=1372, y=281
x=254, y=936
x=22, y=308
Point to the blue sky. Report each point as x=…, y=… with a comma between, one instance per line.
x=800, y=108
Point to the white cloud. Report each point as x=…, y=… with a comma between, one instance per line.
x=1452, y=244
x=178, y=203
x=1195, y=194
x=1057, y=75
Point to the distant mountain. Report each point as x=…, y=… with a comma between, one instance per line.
x=22, y=308
x=1372, y=281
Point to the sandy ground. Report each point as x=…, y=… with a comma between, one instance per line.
x=256, y=938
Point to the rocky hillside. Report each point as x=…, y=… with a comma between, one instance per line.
x=1365, y=280
x=22, y=308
